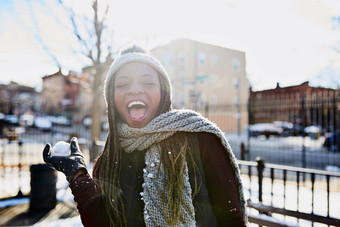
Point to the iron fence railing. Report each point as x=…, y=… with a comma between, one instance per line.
x=305, y=194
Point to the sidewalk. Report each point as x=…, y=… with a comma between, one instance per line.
x=64, y=214
x=15, y=211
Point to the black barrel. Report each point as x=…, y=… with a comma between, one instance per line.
x=43, y=194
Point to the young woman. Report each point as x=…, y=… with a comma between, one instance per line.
x=159, y=167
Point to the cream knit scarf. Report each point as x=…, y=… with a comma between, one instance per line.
x=148, y=138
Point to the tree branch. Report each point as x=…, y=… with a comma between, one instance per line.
x=37, y=36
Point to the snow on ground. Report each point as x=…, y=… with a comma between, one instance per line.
x=63, y=194
x=13, y=202
x=305, y=200
x=69, y=222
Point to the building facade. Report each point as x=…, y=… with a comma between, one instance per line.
x=208, y=78
x=301, y=105
x=18, y=99
x=59, y=93
x=85, y=100
x=86, y=81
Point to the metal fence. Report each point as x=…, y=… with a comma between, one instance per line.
x=308, y=128
x=292, y=151
x=298, y=196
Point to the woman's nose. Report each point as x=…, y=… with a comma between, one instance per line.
x=135, y=89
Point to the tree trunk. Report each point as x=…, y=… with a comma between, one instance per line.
x=96, y=110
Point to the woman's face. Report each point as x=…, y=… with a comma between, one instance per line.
x=137, y=93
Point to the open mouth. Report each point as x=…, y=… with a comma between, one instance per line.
x=137, y=110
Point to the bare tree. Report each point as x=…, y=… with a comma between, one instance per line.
x=100, y=62
x=98, y=50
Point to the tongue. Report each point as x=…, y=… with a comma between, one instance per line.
x=137, y=113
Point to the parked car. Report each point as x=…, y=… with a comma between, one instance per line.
x=313, y=131
x=43, y=123
x=332, y=141
x=105, y=126
x=62, y=120
x=297, y=130
x=26, y=120
x=286, y=126
x=265, y=129
x=11, y=119
x=87, y=122
x=2, y=122
x=2, y=116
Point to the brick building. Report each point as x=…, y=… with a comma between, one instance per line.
x=86, y=94
x=18, y=99
x=301, y=104
x=59, y=93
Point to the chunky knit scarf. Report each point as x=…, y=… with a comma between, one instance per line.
x=148, y=138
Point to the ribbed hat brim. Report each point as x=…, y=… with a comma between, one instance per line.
x=133, y=57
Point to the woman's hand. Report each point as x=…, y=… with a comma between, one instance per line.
x=69, y=165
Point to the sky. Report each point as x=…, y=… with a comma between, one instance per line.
x=286, y=42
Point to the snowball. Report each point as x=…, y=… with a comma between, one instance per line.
x=61, y=149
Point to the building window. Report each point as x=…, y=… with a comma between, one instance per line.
x=201, y=58
x=181, y=58
x=213, y=78
x=258, y=95
x=181, y=75
x=236, y=64
x=236, y=83
x=213, y=59
x=166, y=60
x=213, y=99
x=235, y=102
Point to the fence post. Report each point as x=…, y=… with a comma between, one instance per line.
x=20, y=143
x=243, y=151
x=303, y=118
x=260, y=169
x=95, y=149
x=2, y=164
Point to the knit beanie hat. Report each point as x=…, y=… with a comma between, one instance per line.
x=134, y=54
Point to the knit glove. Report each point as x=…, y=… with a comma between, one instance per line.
x=69, y=165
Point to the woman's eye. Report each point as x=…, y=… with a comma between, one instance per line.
x=148, y=83
x=121, y=85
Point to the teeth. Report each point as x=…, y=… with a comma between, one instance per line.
x=135, y=103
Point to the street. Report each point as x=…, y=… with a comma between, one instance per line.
x=293, y=151
x=15, y=159
x=283, y=150
x=287, y=151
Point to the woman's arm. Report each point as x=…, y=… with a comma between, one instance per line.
x=220, y=180
x=86, y=192
x=89, y=201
